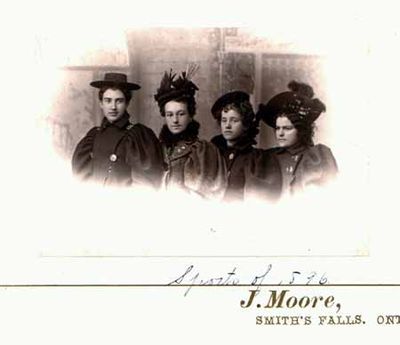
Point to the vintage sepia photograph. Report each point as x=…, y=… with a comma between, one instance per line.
x=235, y=89
x=215, y=121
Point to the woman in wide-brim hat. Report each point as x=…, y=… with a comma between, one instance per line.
x=251, y=172
x=292, y=115
x=193, y=165
x=118, y=152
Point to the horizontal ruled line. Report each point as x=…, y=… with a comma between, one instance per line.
x=201, y=256
x=190, y=285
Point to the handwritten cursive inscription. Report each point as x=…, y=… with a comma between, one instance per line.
x=191, y=277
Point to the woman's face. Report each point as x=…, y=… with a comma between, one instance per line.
x=177, y=116
x=113, y=104
x=286, y=133
x=231, y=125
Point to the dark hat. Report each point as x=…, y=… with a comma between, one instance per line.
x=115, y=80
x=172, y=88
x=298, y=101
x=234, y=97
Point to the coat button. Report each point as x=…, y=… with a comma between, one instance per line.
x=231, y=155
x=113, y=157
x=289, y=169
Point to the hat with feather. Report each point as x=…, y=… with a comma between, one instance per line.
x=173, y=87
x=298, y=101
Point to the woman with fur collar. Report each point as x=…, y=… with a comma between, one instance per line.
x=292, y=115
x=193, y=165
x=251, y=172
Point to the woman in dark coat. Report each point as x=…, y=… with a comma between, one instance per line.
x=193, y=165
x=118, y=152
x=251, y=172
x=292, y=115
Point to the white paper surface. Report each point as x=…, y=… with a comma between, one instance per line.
x=56, y=232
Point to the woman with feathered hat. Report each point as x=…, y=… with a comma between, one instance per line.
x=292, y=115
x=251, y=172
x=193, y=165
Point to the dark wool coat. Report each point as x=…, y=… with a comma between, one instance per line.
x=251, y=172
x=194, y=165
x=304, y=166
x=119, y=153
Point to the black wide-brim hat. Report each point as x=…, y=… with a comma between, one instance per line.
x=118, y=80
x=234, y=97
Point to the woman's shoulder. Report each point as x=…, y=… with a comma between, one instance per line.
x=140, y=134
x=322, y=154
x=141, y=141
x=88, y=140
x=140, y=129
x=260, y=159
x=320, y=150
x=272, y=150
x=219, y=142
x=203, y=146
x=197, y=142
x=271, y=153
x=93, y=131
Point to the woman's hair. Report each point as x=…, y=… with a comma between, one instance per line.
x=127, y=93
x=305, y=129
x=187, y=99
x=249, y=121
x=243, y=108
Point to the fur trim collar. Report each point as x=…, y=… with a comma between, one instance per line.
x=245, y=143
x=189, y=134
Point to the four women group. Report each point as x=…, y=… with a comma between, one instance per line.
x=229, y=168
